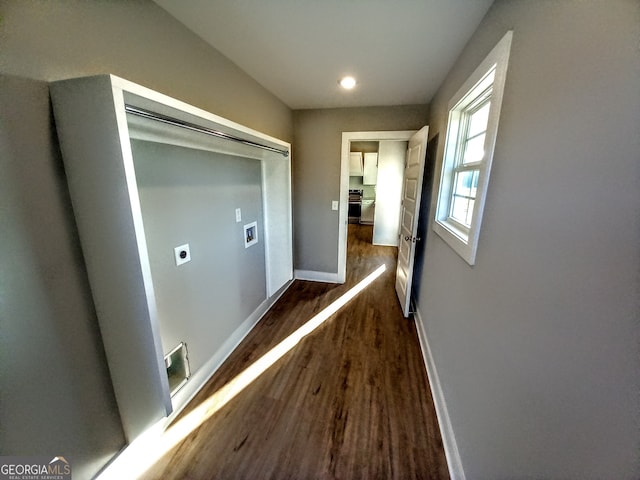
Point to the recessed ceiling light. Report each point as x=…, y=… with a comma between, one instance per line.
x=348, y=83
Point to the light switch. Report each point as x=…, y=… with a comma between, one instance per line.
x=334, y=205
x=182, y=254
x=238, y=215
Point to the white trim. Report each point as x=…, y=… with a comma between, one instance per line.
x=276, y=178
x=384, y=244
x=118, y=467
x=310, y=275
x=456, y=472
x=347, y=138
x=205, y=372
x=131, y=87
x=108, y=213
x=467, y=245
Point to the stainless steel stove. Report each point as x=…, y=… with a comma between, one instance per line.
x=355, y=205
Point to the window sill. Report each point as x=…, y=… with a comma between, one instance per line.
x=457, y=239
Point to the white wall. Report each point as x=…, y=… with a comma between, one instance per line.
x=536, y=346
x=389, y=192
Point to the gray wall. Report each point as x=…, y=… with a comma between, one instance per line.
x=55, y=390
x=316, y=175
x=56, y=396
x=139, y=41
x=190, y=196
x=536, y=345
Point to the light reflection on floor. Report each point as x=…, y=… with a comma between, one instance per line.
x=148, y=449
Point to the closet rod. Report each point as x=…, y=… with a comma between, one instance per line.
x=141, y=112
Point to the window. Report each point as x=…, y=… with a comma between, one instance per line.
x=471, y=132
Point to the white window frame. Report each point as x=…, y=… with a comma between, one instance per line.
x=463, y=239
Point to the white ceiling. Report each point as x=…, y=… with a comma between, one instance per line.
x=399, y=50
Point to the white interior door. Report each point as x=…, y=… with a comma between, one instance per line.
x=410, y=210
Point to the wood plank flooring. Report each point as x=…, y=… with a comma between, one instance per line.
x=350, y=401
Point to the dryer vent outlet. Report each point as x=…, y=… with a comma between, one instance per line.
x=178, y=371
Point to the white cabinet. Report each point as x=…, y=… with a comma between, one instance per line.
x=368, y=211
x=370, y=169
x=355, y=164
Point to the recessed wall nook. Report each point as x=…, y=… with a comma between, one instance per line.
x=157, y=186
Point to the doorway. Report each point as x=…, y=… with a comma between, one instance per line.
x=347, y=139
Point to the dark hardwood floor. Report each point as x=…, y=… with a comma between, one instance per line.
x=350, y=401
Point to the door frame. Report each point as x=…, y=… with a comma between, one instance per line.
x=343, y=217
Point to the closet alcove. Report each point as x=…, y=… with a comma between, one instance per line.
x=149, y=175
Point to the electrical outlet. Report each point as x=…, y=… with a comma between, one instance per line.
x=334, y=205
x=238, y=215
x=182, y=254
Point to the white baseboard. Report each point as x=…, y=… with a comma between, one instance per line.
x=456, y=472
x=206, y=371
x=385, y=244
x=118, y=466
x=312, y=276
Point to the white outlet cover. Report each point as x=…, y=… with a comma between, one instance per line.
x=334, y=205
x=250, y=234
x=182, y=254
x=238, y=215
